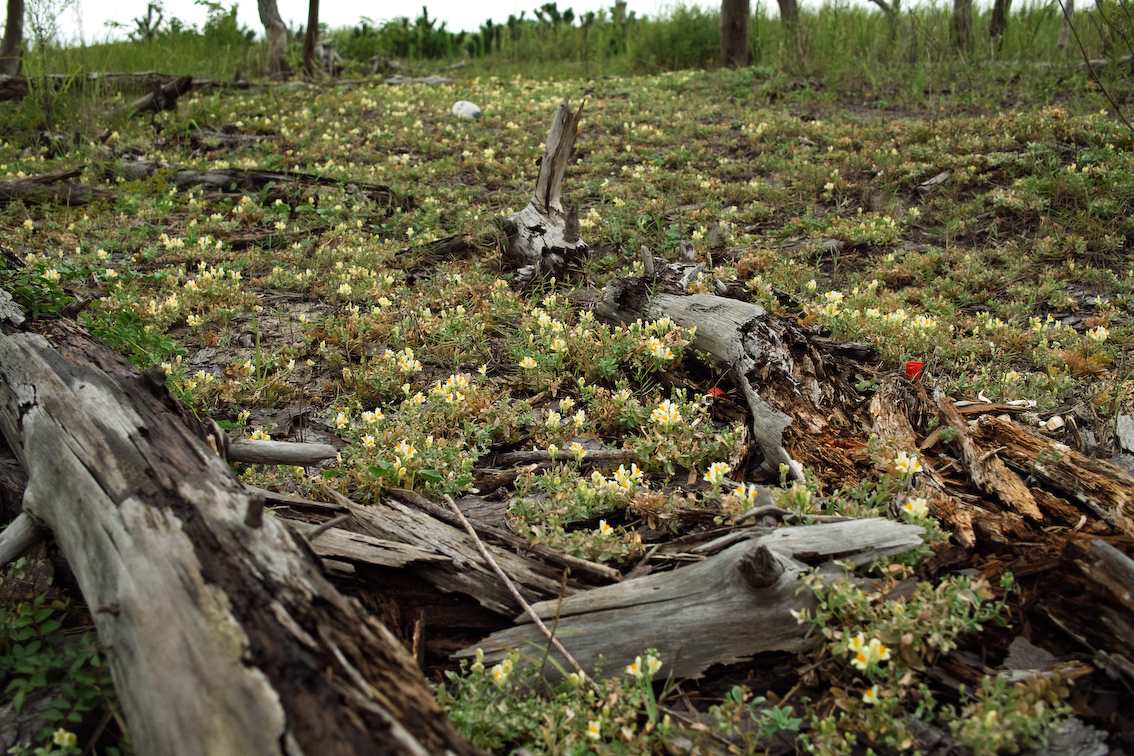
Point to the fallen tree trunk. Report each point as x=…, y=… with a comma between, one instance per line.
x=266, y=657
x=161, y=97
x=251, y=179
x=55, y=186
x=781, y=374
x=741, y=598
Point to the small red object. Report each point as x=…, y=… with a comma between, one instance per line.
x=913, y=369
x=719, y=393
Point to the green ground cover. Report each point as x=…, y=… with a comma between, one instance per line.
x=1009, y=277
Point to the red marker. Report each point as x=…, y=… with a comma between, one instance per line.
x=719, y=393
x=913, y=370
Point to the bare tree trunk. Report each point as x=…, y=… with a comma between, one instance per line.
x=310, y=38
x=999, y=22
x=963, y=24
x=735, y=22
x=1065, y=24
x=276, y=34
x=12, y=46
x=789, y=17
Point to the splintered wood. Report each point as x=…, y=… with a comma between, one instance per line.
x=543, y=238
x=267, y=657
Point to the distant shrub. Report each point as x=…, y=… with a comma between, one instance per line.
x=688, y=37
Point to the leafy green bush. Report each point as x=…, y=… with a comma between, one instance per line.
x=688, y=37
x=38, y=656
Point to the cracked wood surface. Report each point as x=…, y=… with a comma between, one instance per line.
x=221, y=638
x=721, y=610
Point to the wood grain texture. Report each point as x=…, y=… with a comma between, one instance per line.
x=717, y=611
x=222, y=638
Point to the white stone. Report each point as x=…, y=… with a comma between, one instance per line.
x=465, y=109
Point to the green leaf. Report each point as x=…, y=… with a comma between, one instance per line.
x=49, y=627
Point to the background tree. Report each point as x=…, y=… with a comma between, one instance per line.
x=735, y=22
x=999, y=21
x=276, y=34
x=12, y=46
x=789, y=18
x=310, y=38
x=963, y=24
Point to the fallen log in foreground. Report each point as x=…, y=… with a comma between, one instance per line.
x=223, y=637
x=719, y=611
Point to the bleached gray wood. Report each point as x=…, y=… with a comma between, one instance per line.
x=18, y=538
x=717, y=611
x=735, y=333
x=222, y=638
x=543, y=235
x=338, y=543
x=459, y=567
x=265, y=452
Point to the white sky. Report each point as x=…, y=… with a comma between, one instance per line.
x=91, y=16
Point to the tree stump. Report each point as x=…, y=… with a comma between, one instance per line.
x=543, y=239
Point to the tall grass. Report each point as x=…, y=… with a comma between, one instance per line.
x=838, y=46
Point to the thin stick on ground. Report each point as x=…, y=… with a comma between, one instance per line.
x=516, y=595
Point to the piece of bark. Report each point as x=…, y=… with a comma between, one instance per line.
x=1106, y=489
x=342, y=544
x=160, y=97
x=267, y=657
x=579, y=568
x=986, y=468
x=1105, y=565
x=741, y=599
x=543, y=236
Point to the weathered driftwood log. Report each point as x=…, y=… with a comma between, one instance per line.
x=18, y=538
x=51, y=187
x=543, y=238
x=160, y=97
x=782, y=375
x=222, y=638
x=458, y=566
x=16, y=87
x=718, y=611
x=251, y=180
x=263, y=452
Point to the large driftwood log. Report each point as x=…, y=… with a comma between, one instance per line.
x=55, y=186
x=781, y=374
x=718, y=611
x=222, y=638
x=543, y=238
x=250, y=179
x=160, y=97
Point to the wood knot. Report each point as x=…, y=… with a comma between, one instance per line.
x=761, y=568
